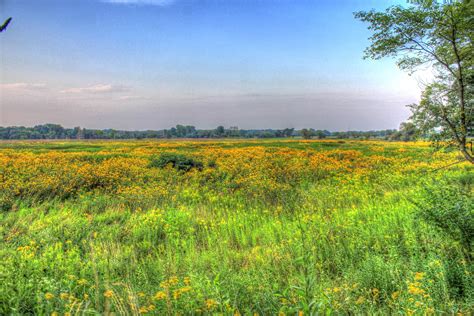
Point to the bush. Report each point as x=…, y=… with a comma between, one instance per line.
x=178, y=161
x=449, y=207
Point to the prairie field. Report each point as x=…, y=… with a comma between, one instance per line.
x=251, y=227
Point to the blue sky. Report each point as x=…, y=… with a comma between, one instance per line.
x=150, y=64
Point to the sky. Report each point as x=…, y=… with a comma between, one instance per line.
x=152, y=64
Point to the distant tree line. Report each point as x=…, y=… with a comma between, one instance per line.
x=55, y=131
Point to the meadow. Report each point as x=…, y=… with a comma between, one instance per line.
x=251, y=227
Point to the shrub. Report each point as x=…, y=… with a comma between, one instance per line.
x=449, y=207
x=6, y=203
x=178, y=161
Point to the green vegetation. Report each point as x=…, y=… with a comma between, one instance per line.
x=267, y=227
x=55, y=131
x=177, y=161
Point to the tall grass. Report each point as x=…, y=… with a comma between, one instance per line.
x=265, y=227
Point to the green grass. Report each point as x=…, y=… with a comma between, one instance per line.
x=323, y=242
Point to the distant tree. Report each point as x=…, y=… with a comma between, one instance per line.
x=98, y=134
x=320, y=134
x=220, y=131
x=439, y=35
x=190, y=131
x=408, y=131
x=78, y=133
x=306, y=133
x=234, y=131
x=180, y=131
x=113, y=134
x=172, y=132
x=288, y=132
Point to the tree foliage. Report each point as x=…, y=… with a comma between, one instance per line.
x=4, y=26
x=439, y=36
x=407, y=132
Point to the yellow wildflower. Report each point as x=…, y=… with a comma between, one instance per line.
x=82, y=281
x=210, y=304
x=375, y=292
x=186, y=289
x=176, y=294
x=187, y=281
x=173, y=280
x=160, y=295
x=360, y=300
x=108, y=293
x=419, y=276
x=413, y=289
x=49, y=296
x=395, y=295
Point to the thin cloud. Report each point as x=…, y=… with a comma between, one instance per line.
x=98, y=88
x=141, y=2
x=22, y=86
x=132, y=97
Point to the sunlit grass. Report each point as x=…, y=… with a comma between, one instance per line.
x=266, y=226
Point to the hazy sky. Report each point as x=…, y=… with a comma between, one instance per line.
x=151, y=64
